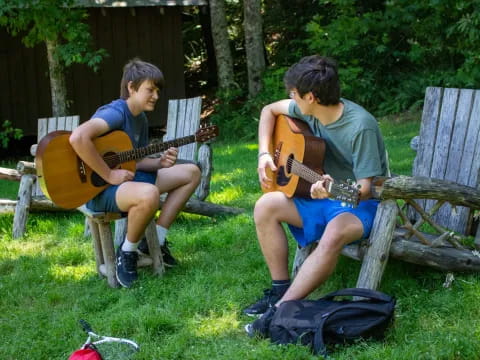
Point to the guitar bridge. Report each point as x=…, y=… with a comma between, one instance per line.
x=82, y=171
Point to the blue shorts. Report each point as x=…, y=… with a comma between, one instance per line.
x=317, y=213
x=105, y=201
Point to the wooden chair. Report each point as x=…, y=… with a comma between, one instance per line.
x=29, y=188
x=447, y=161
x=448, y=148
x=99, y=225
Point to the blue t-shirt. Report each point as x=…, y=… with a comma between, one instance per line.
x=118, y=117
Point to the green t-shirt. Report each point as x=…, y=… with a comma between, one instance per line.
x=355, y=148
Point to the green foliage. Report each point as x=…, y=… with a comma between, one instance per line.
x=7, y=132
x=238, y=117
x=390, y=51
x=55, y=20
x=285, y=31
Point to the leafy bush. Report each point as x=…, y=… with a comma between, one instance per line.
x=390, y=51
x=237, y=116
x=8, y=132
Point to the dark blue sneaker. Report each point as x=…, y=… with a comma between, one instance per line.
x=126, y=267
x=268, y=300
x=168, y=259
x=260, y=327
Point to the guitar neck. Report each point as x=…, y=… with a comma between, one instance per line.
x=140, y=153
x=304, y=172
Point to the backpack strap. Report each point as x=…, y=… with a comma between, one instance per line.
x=318, y=341
x=366, y=293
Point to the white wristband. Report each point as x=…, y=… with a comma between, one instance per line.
x=264, y=153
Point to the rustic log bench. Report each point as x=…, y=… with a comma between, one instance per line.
x=443, y=193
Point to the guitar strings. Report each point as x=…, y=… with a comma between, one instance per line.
x=122, y=156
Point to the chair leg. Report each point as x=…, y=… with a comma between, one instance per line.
x=376, y=257
x=23, y=205
x=108, y=252
x=154, y=248
x=300, y=255
x=97, y=244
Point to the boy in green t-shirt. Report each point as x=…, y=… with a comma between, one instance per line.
x=354, y=150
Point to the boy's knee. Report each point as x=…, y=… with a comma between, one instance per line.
x=265, y=207
x=149, y=196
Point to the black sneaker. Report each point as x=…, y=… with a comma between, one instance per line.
x=143, y=247
x=260, y=326
x=168, y=259
x=126, y=267
x=269, y=299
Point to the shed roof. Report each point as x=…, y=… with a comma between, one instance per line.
x=136, y=3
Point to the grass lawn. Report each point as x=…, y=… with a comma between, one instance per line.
x=48, y=282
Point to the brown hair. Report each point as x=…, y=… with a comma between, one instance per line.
x=137, y=71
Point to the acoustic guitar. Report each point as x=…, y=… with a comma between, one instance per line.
x=69, y=182
x=299, y=156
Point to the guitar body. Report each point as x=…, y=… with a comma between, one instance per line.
x=293, y=139
x=64, y=178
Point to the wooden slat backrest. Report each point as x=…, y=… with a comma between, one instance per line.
x=184, y=120
x=47, y=125
x=448, y=145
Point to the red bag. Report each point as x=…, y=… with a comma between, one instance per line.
x=85, y=354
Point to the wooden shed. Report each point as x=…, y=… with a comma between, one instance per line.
x=148, y=29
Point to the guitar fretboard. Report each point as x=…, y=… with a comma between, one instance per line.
x=303, y=171
x=140, y=153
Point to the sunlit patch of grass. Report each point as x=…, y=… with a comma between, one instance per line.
x=214, y=325
x=228, y=195
x=228, y=177
x=62, y=272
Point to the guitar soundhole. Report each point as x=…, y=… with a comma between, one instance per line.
x=97, y=180
x=282, y=178
x=112, y=159
x=290, y=160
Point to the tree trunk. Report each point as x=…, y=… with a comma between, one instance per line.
x=222, y=46
x=58, y=87
x=205, y=22
x=252, y=25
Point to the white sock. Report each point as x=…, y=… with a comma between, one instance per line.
x=162, y=234
x=129, y=246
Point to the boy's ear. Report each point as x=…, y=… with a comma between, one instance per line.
x=309, y=97
x=130, y=88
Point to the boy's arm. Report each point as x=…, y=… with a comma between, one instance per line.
x=265, y=130
x=167, y=159
x=82, y=142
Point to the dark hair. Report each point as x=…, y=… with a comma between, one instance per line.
x=137, y=71
x=317, y=74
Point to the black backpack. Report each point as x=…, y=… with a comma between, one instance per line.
x=327, y=321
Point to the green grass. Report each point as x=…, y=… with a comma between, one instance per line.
x=48, y=282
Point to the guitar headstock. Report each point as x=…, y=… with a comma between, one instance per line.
x=206, y=132
x=345, y=191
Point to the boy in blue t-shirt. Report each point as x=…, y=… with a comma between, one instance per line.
x=137, y=194
x=354, y=149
